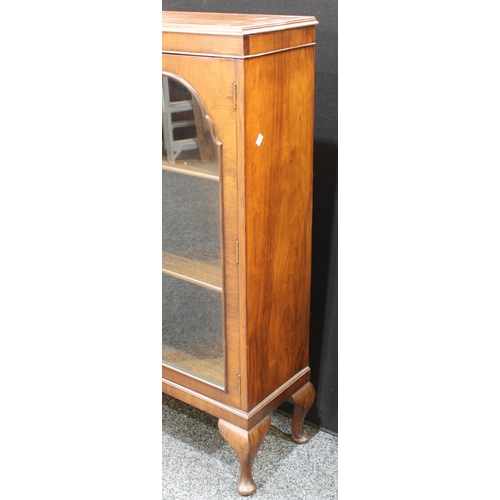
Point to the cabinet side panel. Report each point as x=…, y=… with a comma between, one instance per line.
x=279, y=101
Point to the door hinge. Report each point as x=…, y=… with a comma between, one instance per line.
x=234, y=95
x=237, y=251
x=239, y=384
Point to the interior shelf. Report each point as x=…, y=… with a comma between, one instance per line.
x=207, y=273
x=197, y=168
x=211, y=369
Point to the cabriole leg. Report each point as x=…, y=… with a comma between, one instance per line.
x=302, y=401
x=246, y=445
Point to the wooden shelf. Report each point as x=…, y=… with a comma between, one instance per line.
x=196, y=168
x=206, y=273
x=211, y=369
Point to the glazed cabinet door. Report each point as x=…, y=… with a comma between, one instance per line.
x=200, y=333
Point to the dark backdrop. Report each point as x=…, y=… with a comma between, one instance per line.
x=324, y=312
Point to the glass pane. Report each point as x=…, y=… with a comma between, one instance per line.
x=191, y=218
x=192, y=334
x=192, y=326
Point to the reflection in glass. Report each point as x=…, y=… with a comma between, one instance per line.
x=192, y=326
x=186, y=133
x=191, y=329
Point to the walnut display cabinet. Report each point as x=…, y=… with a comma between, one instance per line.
x=237, y=145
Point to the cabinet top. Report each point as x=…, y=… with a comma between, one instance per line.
x=234, y=35
x=230, y=24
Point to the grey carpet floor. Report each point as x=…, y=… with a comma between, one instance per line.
x=199, y=465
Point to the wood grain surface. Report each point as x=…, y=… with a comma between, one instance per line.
x=246, y=444
x=229, y=23
x=278, y=208
x=234, y=35
x=266, y=187
x=302, y=401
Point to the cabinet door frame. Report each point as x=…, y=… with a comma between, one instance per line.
x=213, y=80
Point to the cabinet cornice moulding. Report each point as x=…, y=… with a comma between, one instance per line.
x=230, y=23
